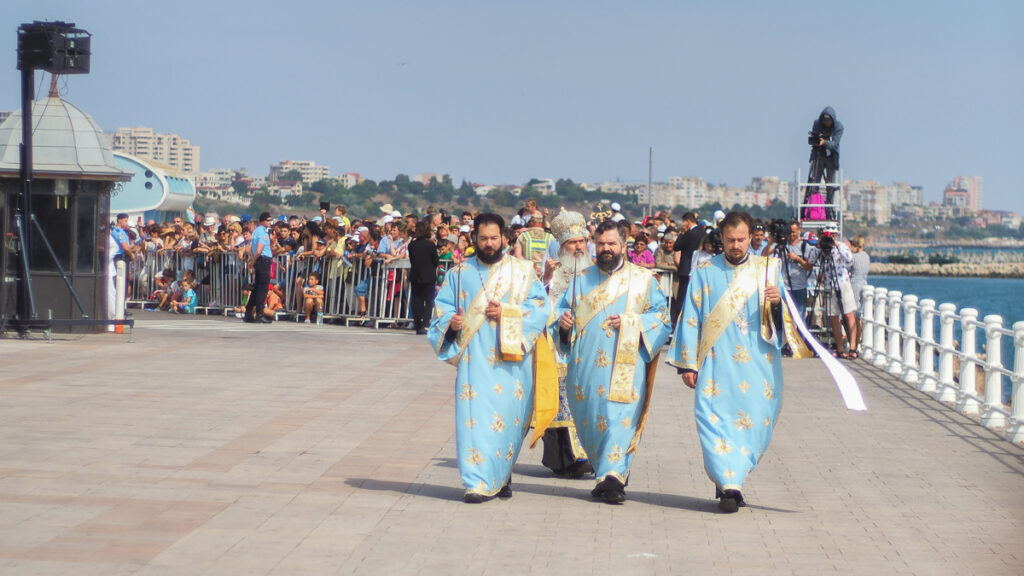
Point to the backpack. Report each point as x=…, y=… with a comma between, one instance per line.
x=815, y=213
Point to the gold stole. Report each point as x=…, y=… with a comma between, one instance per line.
x=743, y=285
x=634, y=282
x=509, y=277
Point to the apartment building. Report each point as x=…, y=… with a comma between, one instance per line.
x=308, y=170
x=170, y=149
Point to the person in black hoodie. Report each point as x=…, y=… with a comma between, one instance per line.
x=423, y=261
x=824, y=137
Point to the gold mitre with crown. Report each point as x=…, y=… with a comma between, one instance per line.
x=568, y=225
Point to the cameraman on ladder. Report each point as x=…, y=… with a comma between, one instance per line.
x=824, y=137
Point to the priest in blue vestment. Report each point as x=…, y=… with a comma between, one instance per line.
x=727, y=346
x=612, y=324
x=488, y=317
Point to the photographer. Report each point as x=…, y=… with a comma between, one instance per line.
x=800, y=256
x=835, y=278
x=711, y=246
x=824, y=137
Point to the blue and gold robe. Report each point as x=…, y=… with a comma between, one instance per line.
x=727, y=335
x=610, y=373
x=494, y=395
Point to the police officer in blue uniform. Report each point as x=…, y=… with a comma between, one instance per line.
x=123, y=249
x=261, y=252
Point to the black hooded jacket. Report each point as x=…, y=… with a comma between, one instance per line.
x=832, y=137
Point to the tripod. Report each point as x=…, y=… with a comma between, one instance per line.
x=826, y=293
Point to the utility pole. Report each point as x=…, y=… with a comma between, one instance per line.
x=650, y=182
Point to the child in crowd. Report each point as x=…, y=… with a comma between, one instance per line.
x=164, y=286
x=272, y=305
x=187, y=304
x=313, y=295
x=177, y=290
x=239, y=311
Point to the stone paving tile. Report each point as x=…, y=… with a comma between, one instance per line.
x=213, y=447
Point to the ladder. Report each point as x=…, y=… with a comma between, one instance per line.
x=835, y=208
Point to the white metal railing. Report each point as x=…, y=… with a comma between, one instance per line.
x=899, y=337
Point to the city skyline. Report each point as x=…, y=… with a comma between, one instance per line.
x=580, y=90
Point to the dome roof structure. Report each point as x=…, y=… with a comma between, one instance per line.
x=66, y=143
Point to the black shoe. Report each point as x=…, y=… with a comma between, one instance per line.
x=610, y=490
x=730, y=501
x=474, y=498
x=421, y=331
x=578, y=470
x=266, y=320
x=248, y=320
x=506, y=491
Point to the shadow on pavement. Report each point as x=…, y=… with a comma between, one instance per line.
x=454, y=494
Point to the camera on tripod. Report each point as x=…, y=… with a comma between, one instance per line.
x=815, y=136
x=779, y=230
x=826, y=241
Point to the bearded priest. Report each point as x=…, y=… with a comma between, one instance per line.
x=488, y=316
x=727, y=346
x=563, y=452
x=612, y=326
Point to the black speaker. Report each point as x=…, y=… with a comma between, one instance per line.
x=56, y=47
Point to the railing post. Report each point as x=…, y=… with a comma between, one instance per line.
x=945, y=391
x=881, y=304
x=910, y=339
x=895, y=365
x=867, y=313
x=968, y=404
x=926, y=375
x=1015, y=433
x=992, y=415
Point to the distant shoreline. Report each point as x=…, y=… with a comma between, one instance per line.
x=956, y=269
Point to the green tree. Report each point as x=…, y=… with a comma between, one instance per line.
x=290, y=176
x=241, y=187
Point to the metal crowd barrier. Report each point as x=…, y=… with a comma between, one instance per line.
x=374, y=294
x=219, y=278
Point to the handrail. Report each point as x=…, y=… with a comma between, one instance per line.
x=899, y=337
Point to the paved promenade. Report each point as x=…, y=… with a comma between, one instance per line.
x=213, y=447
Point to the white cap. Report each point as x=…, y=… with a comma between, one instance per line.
x=616, y=207
x=396, y=214
x=719, y=215
x=362, y=229
x=464, y=228
x=618, y=217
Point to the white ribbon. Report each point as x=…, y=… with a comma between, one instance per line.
x=840, y=375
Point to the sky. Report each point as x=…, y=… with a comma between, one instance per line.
x=501, y=92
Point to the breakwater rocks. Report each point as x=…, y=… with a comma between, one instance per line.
x=954, y=269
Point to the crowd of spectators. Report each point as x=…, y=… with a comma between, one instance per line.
x=334, y=238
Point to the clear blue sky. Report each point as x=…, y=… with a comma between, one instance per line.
x=499, y=92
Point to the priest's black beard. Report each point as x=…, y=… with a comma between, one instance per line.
x=607, y=263
x=737, y=262
x=488, y=259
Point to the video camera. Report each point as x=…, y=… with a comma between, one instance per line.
x=827, y=241
x=779, y=230
x=815, y=136
x=715, y=237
